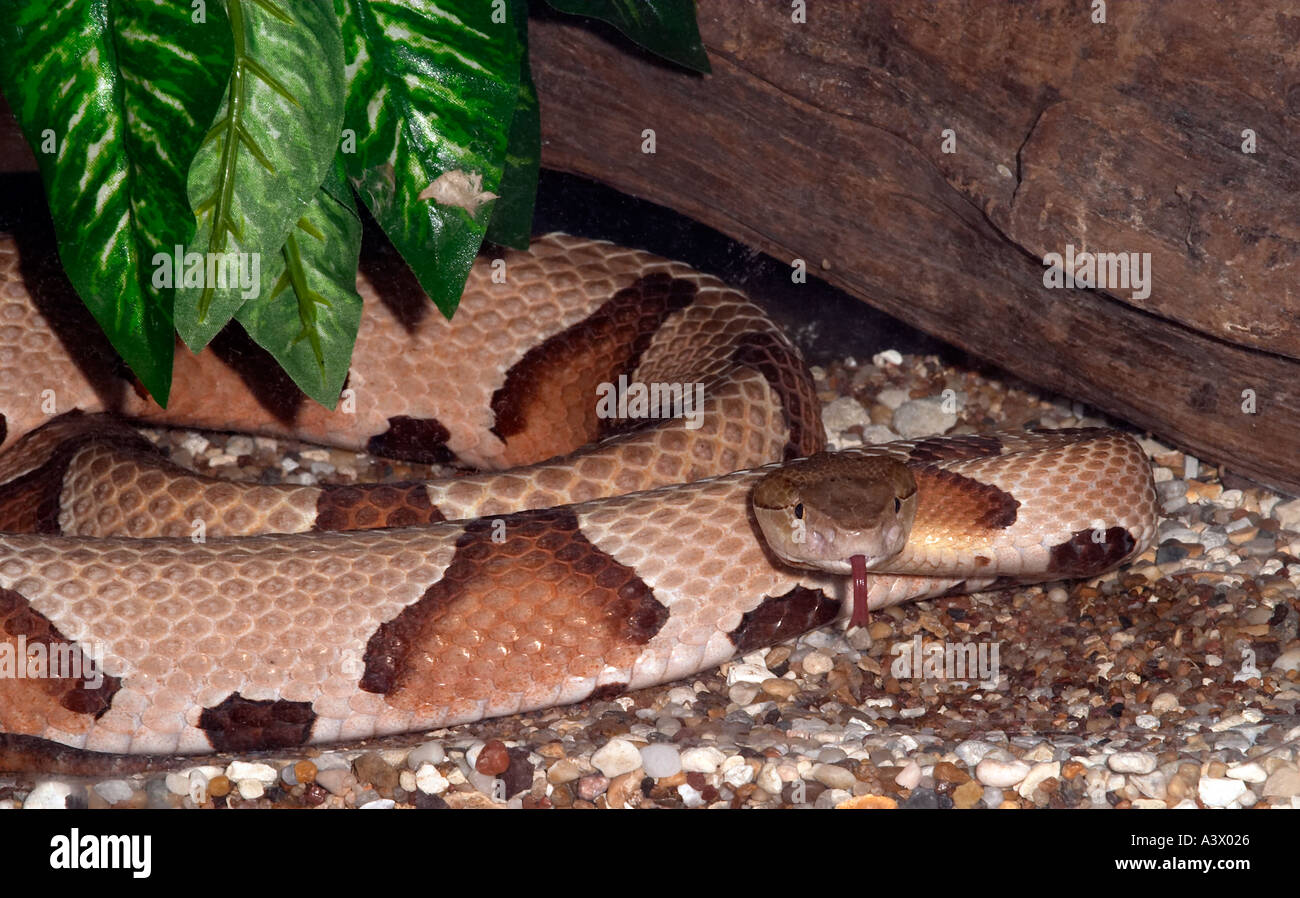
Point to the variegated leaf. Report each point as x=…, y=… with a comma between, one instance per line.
x=308, y=311
x=266, y=154
x=431, y=93
x=114, y=99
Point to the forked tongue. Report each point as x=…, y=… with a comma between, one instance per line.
x=861, y=613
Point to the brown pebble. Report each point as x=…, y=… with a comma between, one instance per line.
x=373, y=769
x=312, y=796
x=868, y=803
x=304, y=772
x=493, y=759
x=672, y=782
x=779, y=688
x=219, y=786
x=1072, y=769
x=624, y=790
x=948, y=772
x=967, y=794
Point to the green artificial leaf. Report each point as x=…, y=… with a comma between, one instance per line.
x=431, y=94
x=265, y=156
x=114, y=98
x=512, y=215
x=665, y=27
x=308, y=310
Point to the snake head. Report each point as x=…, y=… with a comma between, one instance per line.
x=821, y=511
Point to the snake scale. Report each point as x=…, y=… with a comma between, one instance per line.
x=592, y=554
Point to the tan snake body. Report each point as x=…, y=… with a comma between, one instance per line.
x=495, y=595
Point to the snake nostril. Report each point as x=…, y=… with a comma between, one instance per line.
x=798, y=511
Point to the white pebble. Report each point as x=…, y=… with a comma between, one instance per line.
x=1003, y=774
x=691, y=797
x=747, y=673
x=113, y=791
x=682, y=695
x=251, y=789
x=406, y=779
x=1250, y=772
x=1147, y=721
x=428, y=753
x=1219, y=792
x=1288, y=660
x=1288, y=514
x=1044, y=770
x=769, y=779
x=616, y=757
x=238, y=771
x=197, y=787
x=923, y=417
x=739, y=775
x=177, y=784
x=815, y=664
x=842, y=413
x=379, y=804
x=48, y=795
x=972, y=751
x=1132, y=762
x=888, y=357
x=910, y=776
x=702, y=760
x=429, y=781
x=660, y=759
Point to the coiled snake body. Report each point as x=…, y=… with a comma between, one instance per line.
x=638, y=560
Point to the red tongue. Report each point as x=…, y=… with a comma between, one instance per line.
x=861, y=613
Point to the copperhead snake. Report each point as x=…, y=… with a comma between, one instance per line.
x=493, y=593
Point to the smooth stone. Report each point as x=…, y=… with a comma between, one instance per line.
x=702, y=760
x=972, y=751
x=816, y=664
x=428, y=753
x=910, y=776
x=660, y=760
x=251, y=789
x=1001, y=774
x=1283, y=782
x=48, y=795
x=923, y=417
x=592, y=787
x=113, y=791
x=616, y=757
x=1043, y=770
x=1250, y=772
x=335, y=780
x=239, y=771
x=1288, y=660
x=378, y=804
x=1219, y=792
x=1132, y=762
x=429, y=780
x=843, y=413
x=833, y=776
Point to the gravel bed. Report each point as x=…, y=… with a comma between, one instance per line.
x=1171, y=683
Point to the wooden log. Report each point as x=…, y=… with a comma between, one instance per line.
x=823, y=141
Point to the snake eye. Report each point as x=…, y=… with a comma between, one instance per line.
x=798, y=511
x=898, y=505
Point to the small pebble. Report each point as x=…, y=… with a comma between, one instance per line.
x=1132, y=762
x=999, y=773
x=428, y=753
x=616, y=757
x=1219, y=792
x=660, y=760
